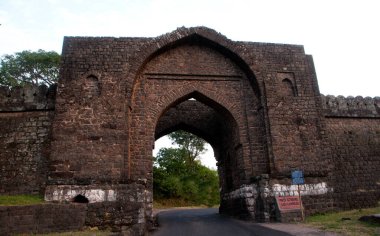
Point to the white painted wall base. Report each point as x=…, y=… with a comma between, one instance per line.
x=64, y=193
x=249, y=191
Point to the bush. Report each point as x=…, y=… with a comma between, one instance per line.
x=174, y=178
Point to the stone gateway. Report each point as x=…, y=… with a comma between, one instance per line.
x=257, y=104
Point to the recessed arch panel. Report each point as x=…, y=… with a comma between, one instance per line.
x=193, y=67
x=220, y=82
x=192, y=36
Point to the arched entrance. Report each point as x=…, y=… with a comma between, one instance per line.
x=197, y=114
x=226, y=112
x=116, y=95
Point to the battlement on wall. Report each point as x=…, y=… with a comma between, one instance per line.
x=340, y=106
x=27, y=98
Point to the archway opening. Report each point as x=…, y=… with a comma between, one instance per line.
x=202, y=87
x=80, y=199
x=197, y=114
x=207, y=158
x=184, y=171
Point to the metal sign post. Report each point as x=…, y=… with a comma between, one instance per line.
x=298, y=179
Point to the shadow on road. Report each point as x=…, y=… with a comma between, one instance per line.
x=207, y=222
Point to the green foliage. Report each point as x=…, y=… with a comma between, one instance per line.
x=191, y=145
x=15, y=200
x=163, y=203
x=179, y=175
x=28, y=67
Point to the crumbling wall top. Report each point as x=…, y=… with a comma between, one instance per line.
x=27, y=98
x=339, y=106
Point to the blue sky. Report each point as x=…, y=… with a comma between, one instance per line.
x=342, y=35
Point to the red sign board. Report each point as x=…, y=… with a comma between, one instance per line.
x=288, y=203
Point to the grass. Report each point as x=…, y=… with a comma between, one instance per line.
x=87, y=232
x=76, y=233
x=346, y=222
x=18, y=200
x=175, y=202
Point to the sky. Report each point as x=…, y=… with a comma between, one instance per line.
x=342, y=35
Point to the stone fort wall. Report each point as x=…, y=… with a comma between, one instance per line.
x=353, y=131
x=116, y=95
x=42, y=218
x=25, y=122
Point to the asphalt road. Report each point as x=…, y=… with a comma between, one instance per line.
x=209, y=223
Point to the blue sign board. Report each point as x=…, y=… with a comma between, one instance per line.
x=297, y=177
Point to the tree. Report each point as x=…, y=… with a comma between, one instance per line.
x=179, y=175
x=171, y=159
x=192, y=145
x=29, y=67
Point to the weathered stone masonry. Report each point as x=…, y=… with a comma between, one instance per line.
x=257, y=104
x=25, y=123
x=353, y=128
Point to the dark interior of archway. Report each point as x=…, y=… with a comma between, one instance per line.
x=205, y=118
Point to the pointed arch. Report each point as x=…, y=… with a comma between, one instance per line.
x=91, y=87
x=154, y=91
x=288, y=89
x=195, y=35
x=218, y=103
x=215, y=110
x=188, y=128
x=224, y=137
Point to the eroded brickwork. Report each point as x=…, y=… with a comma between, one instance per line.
x=353, y=128
x=261, y=109
x=42, y=218
x=257, y=104
x=25, y=122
